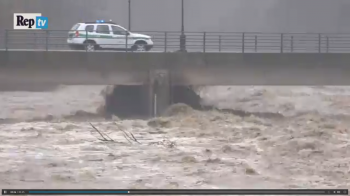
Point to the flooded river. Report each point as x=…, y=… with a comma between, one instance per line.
x=288, y=137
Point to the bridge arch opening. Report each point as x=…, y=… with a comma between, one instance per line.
x=131, y=101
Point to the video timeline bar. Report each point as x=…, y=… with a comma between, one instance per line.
x=175, y=192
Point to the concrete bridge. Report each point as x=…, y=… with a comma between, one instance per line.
x=157, y=72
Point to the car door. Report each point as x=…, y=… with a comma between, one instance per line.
x=120, y=35
x=90, y=30
x=104, y=36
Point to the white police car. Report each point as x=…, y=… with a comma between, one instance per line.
x=106, y=35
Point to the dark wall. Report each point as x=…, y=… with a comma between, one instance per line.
x=201, y=15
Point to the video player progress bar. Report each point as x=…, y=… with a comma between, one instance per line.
x=175, y=192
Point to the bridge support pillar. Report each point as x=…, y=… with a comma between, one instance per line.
x=159, y=91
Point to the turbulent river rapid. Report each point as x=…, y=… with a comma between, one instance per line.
x=284, y=137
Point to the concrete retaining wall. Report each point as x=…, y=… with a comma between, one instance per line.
x=75, y=67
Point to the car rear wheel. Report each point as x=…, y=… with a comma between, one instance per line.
x=90, y=46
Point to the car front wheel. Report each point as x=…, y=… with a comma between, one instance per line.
x=140, y=47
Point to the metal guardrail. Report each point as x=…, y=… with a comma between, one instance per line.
x=195, y=41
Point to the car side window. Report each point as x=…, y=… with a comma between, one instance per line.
x=89, y=28
x=118, y=31
x=103, y=29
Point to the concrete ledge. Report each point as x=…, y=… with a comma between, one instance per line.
x=75, y=67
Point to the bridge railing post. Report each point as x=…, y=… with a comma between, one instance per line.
x=165, y=41
x=256, y=43
x=86, y=38
x=126, y=41
x=281, y=46
x=291, y=44
x=219, y=43
x=327, y=44
x=319, y=43
x=204, y=39
x=243, y=42
x=6, y=39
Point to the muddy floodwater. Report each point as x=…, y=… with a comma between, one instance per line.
x=284, y=137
